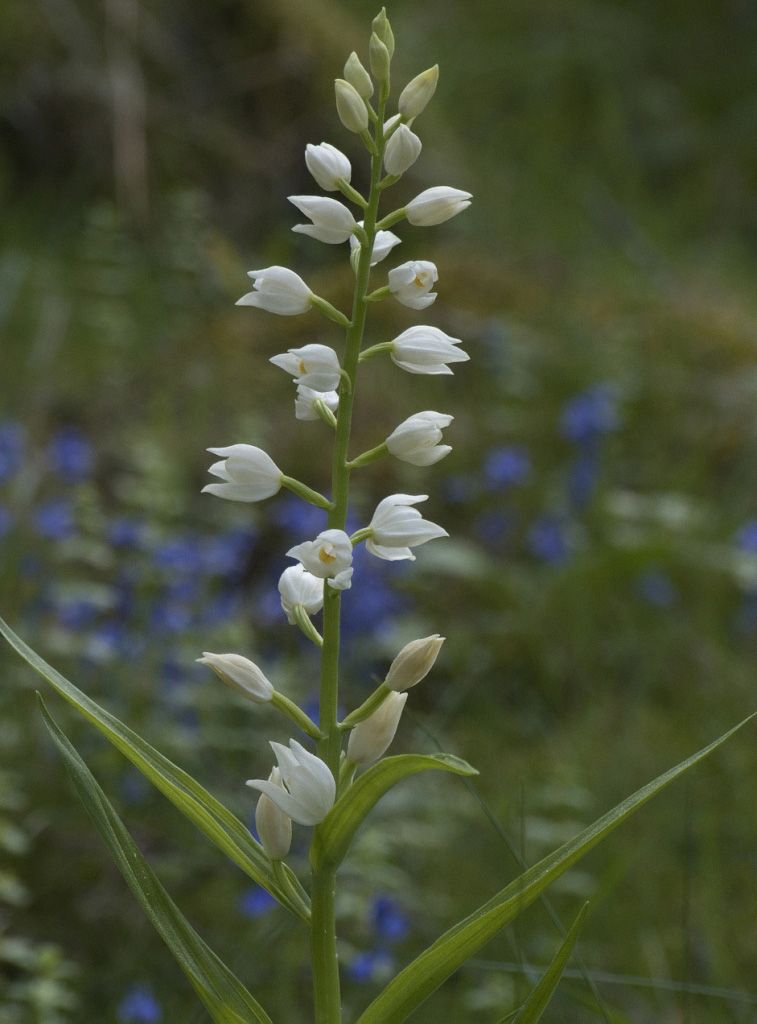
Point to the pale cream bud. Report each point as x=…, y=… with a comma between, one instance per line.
x=350, y=106
x=380, y=59
x=383, y=30
x=273, y=826
x=415, y=96
x=413, y=662
x=370, y=738
x=358, y=77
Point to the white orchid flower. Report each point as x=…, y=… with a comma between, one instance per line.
x=299, y=587
x=425, y=349
x=383, y=244
x=332, y=221
x=416, y=439
x=241, y=675
x=315, y=366
x=402, y=150
x=328, y=557
x=273, y=826
x=277, y=290
x=411, y=283
x=396, y=527
x=372, y=737
x=305, y=399
x=328, y=165
x=247, y=472
x=310, y=787
x=435, y=205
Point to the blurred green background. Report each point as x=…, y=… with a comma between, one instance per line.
x=599, y=590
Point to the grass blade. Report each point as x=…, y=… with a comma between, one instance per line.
x=537, y=1002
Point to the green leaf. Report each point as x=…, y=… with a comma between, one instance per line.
x=537, y=1002
x=333, y=836
x=224, y=995
x=211, y=816
x=427, y=972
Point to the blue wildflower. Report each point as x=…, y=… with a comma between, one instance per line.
x=54, y=520
x=139, y=1006
x=76, y=614
x=589, y=415
x=179, y=555
x=11, y=448
x=547, y=541
x=583, y=474
x=371, y=966
x=492, y=527
x=227, y=554
x=6, y=521
x=746, y=537
x=656, y=588
x=256, y=901
x=125, y=532
x=458, y=488
x=389, y=920
x=298, y=518
x=506, y=467
x=70, y=455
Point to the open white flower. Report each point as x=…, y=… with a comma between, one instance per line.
x=383, y=244
x=328, y=557
x=305, y=399
x=273, y=826
x=247, y=472
x=435, y=205
x=411, y=283
x=372, y=737
x=416, y=439
x=328, y=165
x=315, y=366
x=426, y=350
x=310, y=786
x=396, y=527
x=402, y=150
x=241, y=675
x=278, y=290
x=332, y=221
x=299, y=587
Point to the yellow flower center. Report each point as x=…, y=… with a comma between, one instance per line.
x=419, y=282
x=303, y=368
x=326, y=556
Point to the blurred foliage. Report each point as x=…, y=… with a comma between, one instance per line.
x=600, y=587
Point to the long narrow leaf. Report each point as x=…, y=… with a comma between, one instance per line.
x=212, y=818
x=224, y=995
x=334, y=835
x=427, y=972
x=537, y=1002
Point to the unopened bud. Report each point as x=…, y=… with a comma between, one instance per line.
x=383, y=30
x=240, y=674
x=350, y=106
x=415, y=96
x=370, y=738
x=413, y=662
x=273, y=826
x=380, y=58
x=358, y=77
x=402, y=150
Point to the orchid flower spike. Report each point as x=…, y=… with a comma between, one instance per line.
x=277, y=290
x=396, y=527
x=416, y=439
x=315, y=366
x=426, y=350
x=248, y=474
x=310, y=787
x=328, y=557
x=299, y=587
x=411, y=283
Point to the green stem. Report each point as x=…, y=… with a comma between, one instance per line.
x=325, y=965
x=298, y=716
x=370, y=456
x=369, y=705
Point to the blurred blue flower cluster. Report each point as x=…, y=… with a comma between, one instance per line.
x=389, y=925
x=139, y=1006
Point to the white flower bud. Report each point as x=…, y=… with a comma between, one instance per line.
x=304, y=402
x=396, y=527
x=328, y=557
x=248, y=474
x=297, y=586
x=273, y=826
x=383, y=244
x=411, y=283
x=315, y=366
x=436, y=205
x=371, y=737
x=350, y=106
x=379, y=57
x=328, y=165
x=310, y=786
x=416, y=440
x=413, y=662
x=425, y=349
x=277, y=290
x=240, y=674
x=358, y=77
x=415, y=96
x=383, y=30
x=332, y=221
x=402, y=150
